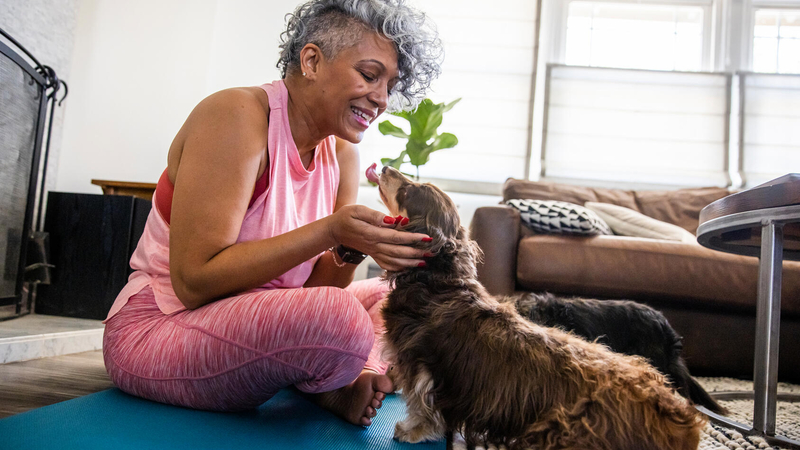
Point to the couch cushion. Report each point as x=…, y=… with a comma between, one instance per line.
x=648, y=269
x=539, y=190
x=680, y=207
x=554, y=217
x=627, y=222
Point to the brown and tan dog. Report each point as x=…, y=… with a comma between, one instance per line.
x=470, y=364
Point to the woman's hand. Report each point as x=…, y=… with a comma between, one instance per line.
x=372, y=232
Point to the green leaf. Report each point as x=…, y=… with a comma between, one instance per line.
x=416, y=152
x=424, y=138
x=450, y=105
x=420, y=120
x=396, y=163
x=387, y=128
x=445, y=140
x=404, y=114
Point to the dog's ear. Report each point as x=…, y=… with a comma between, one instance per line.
x=469, y=248
x=429, y=209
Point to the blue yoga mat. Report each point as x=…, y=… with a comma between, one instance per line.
x=114, y=420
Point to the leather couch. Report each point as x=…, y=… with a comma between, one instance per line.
x=709, y=297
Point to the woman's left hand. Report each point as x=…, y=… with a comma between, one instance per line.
x=372, y=232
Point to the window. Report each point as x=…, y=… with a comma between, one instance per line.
x=771, y=126
x=677, y=92
x=635, y=126
x=635, y=35
x=776, y=40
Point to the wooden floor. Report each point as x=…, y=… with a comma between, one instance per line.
x=32, y=384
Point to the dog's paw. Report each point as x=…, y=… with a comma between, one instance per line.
x=415, y=433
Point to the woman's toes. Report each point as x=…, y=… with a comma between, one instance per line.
x=376, y=403
x=380, y=396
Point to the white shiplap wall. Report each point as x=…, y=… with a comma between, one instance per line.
x=489, y=64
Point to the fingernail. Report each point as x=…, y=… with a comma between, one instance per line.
x=422, y=264
x=388, y=219
x=427, y=239
x=398, y=219
x=428, y=255
x=404, y=222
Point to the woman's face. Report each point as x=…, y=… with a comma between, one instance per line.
x=355, y=86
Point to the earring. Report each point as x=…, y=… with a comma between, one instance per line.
x=304, y=74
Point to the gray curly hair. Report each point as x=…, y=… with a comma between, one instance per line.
x=334, y=25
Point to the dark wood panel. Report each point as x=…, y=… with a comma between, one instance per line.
x=32, y=384
x=92, y=238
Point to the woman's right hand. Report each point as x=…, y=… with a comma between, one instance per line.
x=373, y=232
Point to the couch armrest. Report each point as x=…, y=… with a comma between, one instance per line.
x=496, y=230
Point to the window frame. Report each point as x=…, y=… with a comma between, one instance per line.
x=711, y=34
x=749, y=23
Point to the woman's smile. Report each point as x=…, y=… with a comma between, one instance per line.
x=362, y=118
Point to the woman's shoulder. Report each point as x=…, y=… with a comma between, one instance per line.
x=250, y=103
x=236, y=116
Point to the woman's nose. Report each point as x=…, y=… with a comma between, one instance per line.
x=380, y=96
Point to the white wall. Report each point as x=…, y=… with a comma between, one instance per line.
x=140, y=67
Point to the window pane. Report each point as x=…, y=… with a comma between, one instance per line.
x=689, y=52
x=776, y=41
x=790, y=25
x=690, y=16
x=580, y=9
x=578, y=46
x=765, y=54
x=766, y=23
x=626, y=35
x=789, y=56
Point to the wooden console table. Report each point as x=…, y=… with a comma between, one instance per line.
x=140, y=190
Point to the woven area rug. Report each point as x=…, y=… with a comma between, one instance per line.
x=716, y=437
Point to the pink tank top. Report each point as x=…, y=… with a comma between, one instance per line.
x=295, y=196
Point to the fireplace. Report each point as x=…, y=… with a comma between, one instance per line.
x=28, y=92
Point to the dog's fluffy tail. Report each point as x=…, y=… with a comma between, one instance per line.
x=700, y=397
x=689, y=387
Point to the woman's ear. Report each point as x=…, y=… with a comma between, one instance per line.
x=310, y=57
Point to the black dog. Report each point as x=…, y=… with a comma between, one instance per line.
x=625, y=327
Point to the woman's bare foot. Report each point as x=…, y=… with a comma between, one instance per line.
x=358, y=402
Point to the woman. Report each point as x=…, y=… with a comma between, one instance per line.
x=242, y=276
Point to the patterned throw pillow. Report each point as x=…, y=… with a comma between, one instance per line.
x=554, y=217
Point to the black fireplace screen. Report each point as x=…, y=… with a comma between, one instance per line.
x=24, y=98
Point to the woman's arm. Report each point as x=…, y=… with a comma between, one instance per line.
x=326, y=272
x=224, y=143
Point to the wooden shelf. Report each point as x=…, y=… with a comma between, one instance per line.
x=140, y=190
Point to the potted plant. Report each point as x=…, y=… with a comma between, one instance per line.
x=423, y=138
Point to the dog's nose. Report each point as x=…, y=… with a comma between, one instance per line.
x=384, y=169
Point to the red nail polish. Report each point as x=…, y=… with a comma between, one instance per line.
x=398, y=219
x=388, y=219
x=422, y=264
x=428, y=255
x=404, y=222
x=427, y=239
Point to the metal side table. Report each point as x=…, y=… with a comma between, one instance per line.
x=763, y=221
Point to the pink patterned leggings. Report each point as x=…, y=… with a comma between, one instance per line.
x=236, y=353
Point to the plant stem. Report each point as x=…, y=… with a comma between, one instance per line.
x=417, y=178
